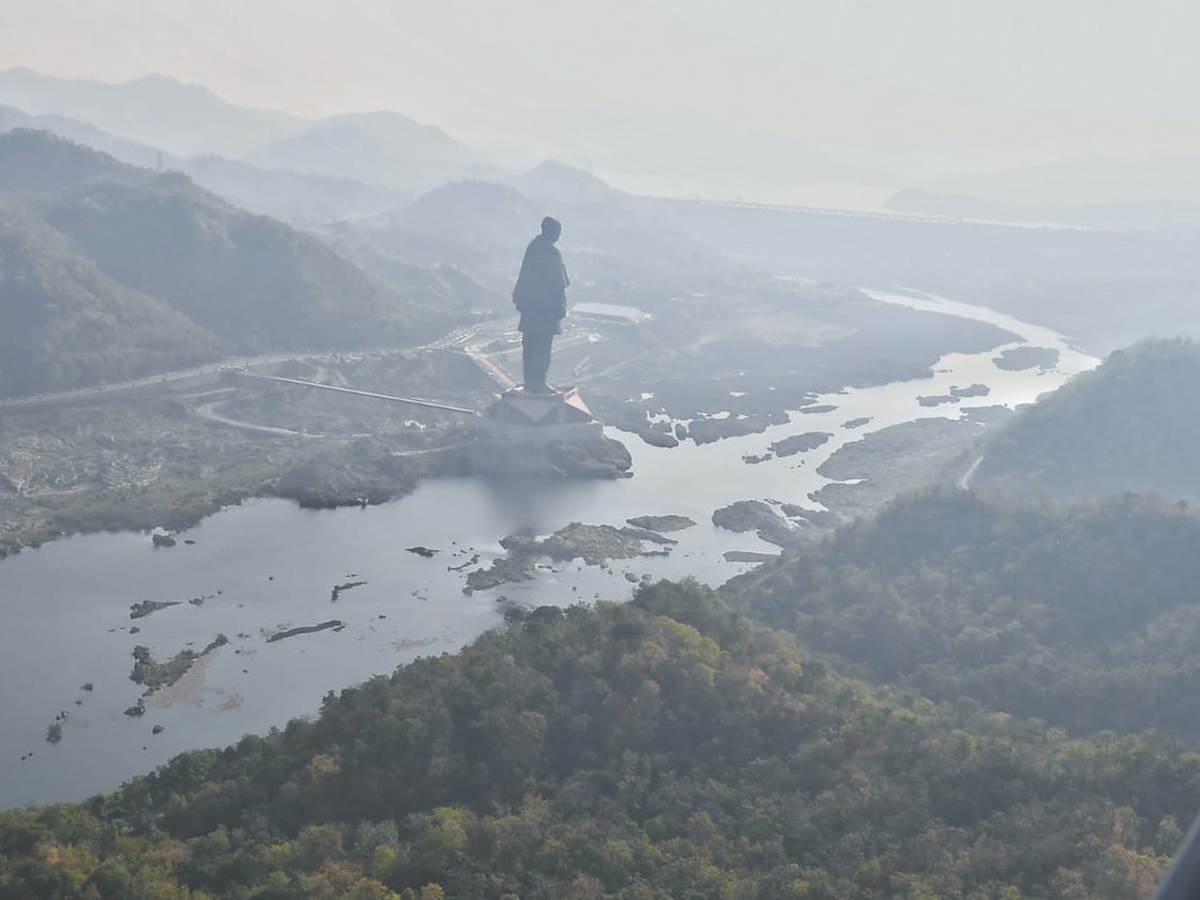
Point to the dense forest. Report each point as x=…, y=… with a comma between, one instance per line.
x=1127, y=426
x=68, y=324
x=1084, y=615
x=667, y=748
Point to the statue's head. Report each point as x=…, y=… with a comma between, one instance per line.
x=551, y=229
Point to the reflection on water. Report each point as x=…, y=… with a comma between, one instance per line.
x=269, y=565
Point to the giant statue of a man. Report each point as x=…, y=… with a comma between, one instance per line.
x=541, y=298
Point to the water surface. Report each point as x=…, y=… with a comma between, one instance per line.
x=268, y=565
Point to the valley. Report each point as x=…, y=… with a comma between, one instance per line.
x=278, y=561
x=873, y=581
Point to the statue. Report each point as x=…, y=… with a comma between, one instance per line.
x=541, y=297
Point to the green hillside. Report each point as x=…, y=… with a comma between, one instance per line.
x=248, y=278
x=658, y=750
x=251, y=282
x=1130, y=425
x=32, y=162
x=67, y=324
x=1085, y=616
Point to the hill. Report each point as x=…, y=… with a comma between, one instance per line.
x=67, y=324
x=283, y=194
x=484, y=227
x=477, y=225
x=36, y=162
x=267, y=161
x=1084, y=616
x=662, y=749
x=248, y=278
x=180, y=118
x=123, y=149
x=1127, y=426
x=384, y=148
x=251, y=282
x=556, y=181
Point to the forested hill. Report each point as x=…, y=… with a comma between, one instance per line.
x=659, y=750
x=1085, y=615
x=66, y=323
x=1128, y=425
x=251, y=282
x=35, y=161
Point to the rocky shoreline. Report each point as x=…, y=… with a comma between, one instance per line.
x=595, y=545
x=173, y=488
x=153, y=674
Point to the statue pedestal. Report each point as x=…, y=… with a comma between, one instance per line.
x=560, y=416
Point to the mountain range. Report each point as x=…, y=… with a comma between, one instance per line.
x=293, y=196
x=181, y=120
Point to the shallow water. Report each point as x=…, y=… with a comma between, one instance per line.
x=66, y=605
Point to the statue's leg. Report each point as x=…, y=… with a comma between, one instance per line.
x=528, y=364
x=535, y=360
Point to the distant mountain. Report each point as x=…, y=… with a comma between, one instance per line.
x=479, y=226
x=125, y=150
x=285, y=194
x=1130, y=425
x=67, y=324
x=483, y=227
x=250, y=281
x=183, y=119
x=553, y=180
x=294, y=196
x=347, y=165
x=383, y=148
x=444, y=285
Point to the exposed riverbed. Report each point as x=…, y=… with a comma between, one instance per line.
x=268, y=566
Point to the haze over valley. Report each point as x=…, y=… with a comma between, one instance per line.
x=849, y=550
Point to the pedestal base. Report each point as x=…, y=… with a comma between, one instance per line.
x=541, y=418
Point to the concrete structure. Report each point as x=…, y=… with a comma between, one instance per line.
x=520, y=417
x=615, y=313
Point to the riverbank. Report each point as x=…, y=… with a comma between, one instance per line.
x=168, y=455
x=138, y=464
x=268, y=567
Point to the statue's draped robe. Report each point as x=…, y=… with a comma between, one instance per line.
x=541, y=297
x=541, y=291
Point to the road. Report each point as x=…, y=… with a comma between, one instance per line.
x=965, y=481
x=105, y=390
x=470, y=339
x=454, y=340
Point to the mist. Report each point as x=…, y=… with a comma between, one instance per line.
x=754, y=101
x=612, y=452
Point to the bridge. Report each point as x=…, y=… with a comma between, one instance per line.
x=909, y=218
x=825, y=211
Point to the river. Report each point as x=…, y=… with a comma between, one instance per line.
x=269, y=565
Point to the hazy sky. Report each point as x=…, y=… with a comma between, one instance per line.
x=780, y=78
